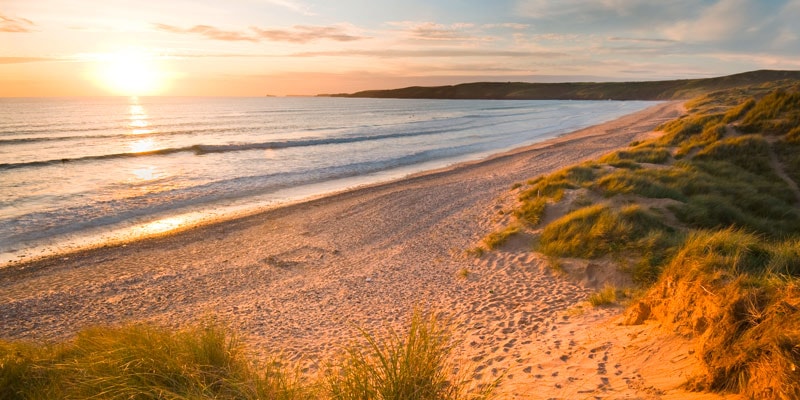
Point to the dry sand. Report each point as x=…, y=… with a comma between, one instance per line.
x=301, y=278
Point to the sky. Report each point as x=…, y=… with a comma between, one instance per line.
x=308, y=47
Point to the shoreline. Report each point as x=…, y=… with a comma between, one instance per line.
x=305, y=277
x=179, y=221
x=60, y=240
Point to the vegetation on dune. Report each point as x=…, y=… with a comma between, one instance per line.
x=655, y=90
x=140, y=361
x=209, y=362
x=740, y=296
x=704, y=217
x=414, y=366
x=605, y=297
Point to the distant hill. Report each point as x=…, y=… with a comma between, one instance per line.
x=650, y=90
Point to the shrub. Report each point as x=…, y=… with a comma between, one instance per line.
x=552, y=186
x=412, y=366
x=140, y=361
x=640, y=155
x=605, y=297
x=498, y=238
x=598, y=230
x=531, y=210
x=747, y=315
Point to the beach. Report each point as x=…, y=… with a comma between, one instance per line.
x=301, y=280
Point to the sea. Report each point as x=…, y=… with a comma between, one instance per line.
x=81, y=172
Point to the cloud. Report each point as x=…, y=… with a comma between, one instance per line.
x=15, y=25
x=696, y=26
x=209, y=32
x=304, y=34
x=641, y=40
x=297, y=34
x=609, y=14
x=438, y=32
x=389, y=53
x=742, y=25
x=22, y=60
x=508, y=25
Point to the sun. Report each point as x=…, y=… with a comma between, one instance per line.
x=131, y=73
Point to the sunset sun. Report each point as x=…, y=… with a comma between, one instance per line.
x=130, y=73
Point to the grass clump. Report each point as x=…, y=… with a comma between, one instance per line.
x=411, y=366
x=553, y=185
x=741, y=294
x=647, y=183
x=651, y=155
x=750, y=152
x=683, y=129
x=140, y=361
x=498, y=238
x=605, y=297
x=736, y=113
x=774, y=114
x=710, y=134
x=531, y=210
x=208, y=362
x=599, y=230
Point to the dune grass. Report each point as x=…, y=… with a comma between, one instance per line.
x=209, y=362
x=721, y=256
x=604, y=297
x=598, y=230
x=741, y=296
x=141, y=361
x=410, y=366
x=498, y=238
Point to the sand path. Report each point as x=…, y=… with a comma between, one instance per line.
x=302, y=277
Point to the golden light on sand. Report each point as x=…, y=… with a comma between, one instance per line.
x=164, y=225
x=130, y=73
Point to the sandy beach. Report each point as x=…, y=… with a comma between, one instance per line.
x=300, y=280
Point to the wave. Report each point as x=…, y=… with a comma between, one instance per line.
x=107, y=212
x=202, y=149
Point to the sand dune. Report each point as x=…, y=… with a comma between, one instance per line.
x=303, y=277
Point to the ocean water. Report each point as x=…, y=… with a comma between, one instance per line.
x=77, y=170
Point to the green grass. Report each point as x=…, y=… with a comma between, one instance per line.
x=788, y=152
x=604, y=297
x=750, y=152
x=141, y=361
x=744, y=292
x=410, y=366
x=736, y=113
x=776, y=113
x=552, y=186
x=710, y=134
x=650, y=155
x=649, y=183
x=599, y=230
x=726, y=267
x=497, y=239
x=209, y=362
x=531, y=211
